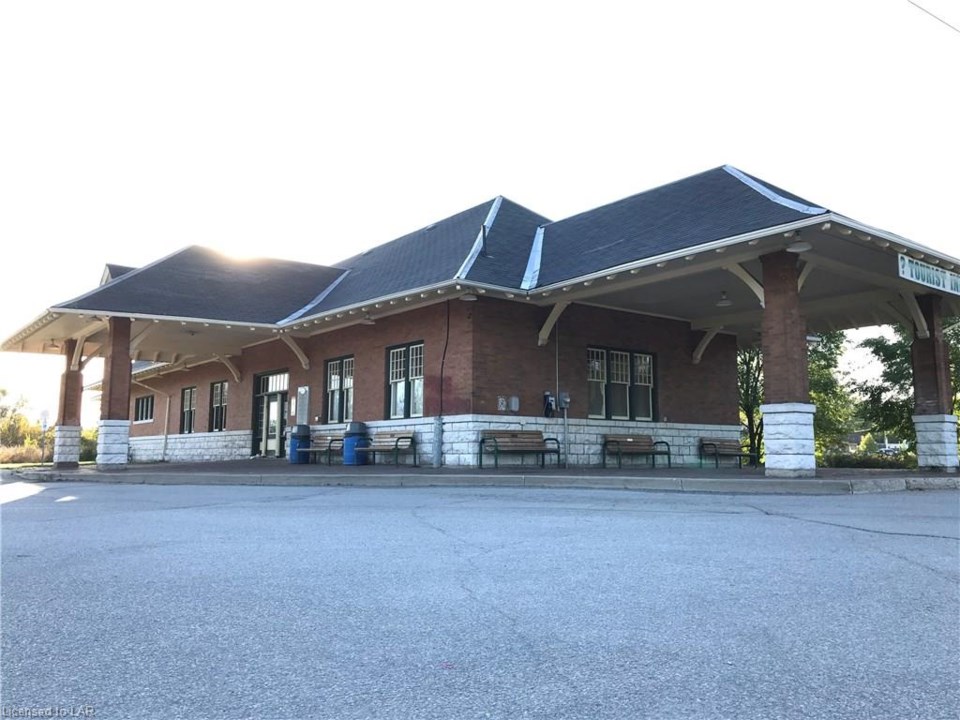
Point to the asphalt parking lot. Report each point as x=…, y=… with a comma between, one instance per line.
x=133, y=601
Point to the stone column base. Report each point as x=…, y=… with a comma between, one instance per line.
x=936, y=442
x=788, y=439
x=113, y=444
x=66, y=447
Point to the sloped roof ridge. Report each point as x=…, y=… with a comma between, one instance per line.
x=622, y=200
x=771, y=193
x=126, y=276
x=346, y=262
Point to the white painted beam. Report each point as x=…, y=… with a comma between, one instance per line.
x=747, y=279
x=919, y=321
x=705, y=341
x=292, y=344
x=229, y=365
x=551, y=320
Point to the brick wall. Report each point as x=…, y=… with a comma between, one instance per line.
x=239, y=399
x=507, y=360
x=491, y=352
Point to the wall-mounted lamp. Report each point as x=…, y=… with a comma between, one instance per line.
x=468, y=297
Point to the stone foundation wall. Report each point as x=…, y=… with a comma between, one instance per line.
x=194, y=447
x=584, y=442
x=66, y=446
x=461, y=436
x=788, y=439
x=936, y=441
x=112, y=444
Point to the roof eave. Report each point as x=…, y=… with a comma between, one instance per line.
x=900, y=243
x=711, y=246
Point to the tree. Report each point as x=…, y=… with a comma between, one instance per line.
x=828, y=392
x=887, y=404
x=13, y=425
x=750, y=384
x=868, y=446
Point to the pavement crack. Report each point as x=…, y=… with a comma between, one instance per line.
x=870, y=531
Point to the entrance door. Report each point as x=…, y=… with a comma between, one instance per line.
x=270, y=414
x=272, y=431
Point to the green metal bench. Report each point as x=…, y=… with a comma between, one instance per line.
x=717, y=448
x=517, y=442
x=642, y=445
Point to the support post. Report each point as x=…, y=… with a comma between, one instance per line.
x=113, y=442
x=66, y=439
x=787, y=411
x=933, y=418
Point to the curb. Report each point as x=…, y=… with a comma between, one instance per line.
x=759, y=486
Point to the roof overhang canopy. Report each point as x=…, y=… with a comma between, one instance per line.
x=849, y=277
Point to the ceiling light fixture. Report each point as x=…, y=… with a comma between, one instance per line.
x=468, y=297
x=799, y=245
x=724, y=301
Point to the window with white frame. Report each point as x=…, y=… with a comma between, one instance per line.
x=340, y=390
x=405, y=381
x=218, y=406
x=347, y=389
x=143, y=409
x=416, y=381
x=619, y=385
x=641, y=390
x=618, y=388
x=596, y=383
x=188, y=409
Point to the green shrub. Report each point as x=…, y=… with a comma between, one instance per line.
x=88, y=445
x=903, y=461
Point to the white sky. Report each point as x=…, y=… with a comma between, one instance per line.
x=309, y=130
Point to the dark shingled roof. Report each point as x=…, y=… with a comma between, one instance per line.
x=508, y=246
x=118, y=270
x=200, y=283
x=710, y=206
x=428, y=256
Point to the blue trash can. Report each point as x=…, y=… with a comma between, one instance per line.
x=299, y=438
x=354, y=436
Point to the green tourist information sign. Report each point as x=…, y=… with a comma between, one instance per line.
x=929, y=275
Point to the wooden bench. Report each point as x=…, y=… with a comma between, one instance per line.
x=621, y=445
x=396, y=442
x=517, y=442
x=716, y=448
x=322, y=445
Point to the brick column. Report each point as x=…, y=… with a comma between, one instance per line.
x=66, y=442
x=787, y=412
x=114, y=438
x=933, y=418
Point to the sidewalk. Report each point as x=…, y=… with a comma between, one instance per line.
x=682, y=479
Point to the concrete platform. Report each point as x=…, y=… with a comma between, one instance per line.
x=685, y=479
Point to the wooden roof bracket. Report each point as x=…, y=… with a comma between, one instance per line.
x=555, y=312
x=749, y=280
x=89, y=331
x=804, y=274
x=229, y=365
x=705, y=341
x=919, y=321
x=292, y=344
